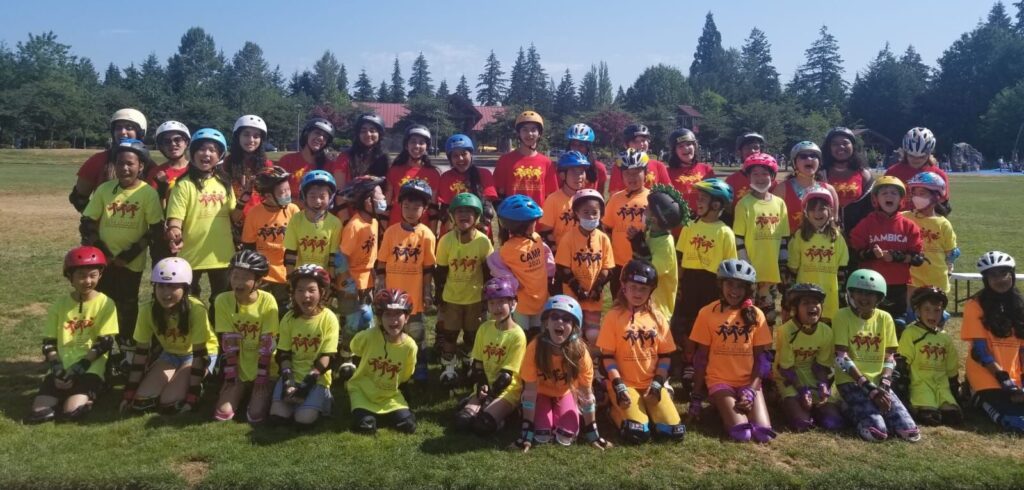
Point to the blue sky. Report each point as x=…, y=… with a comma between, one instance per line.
x=456, y=36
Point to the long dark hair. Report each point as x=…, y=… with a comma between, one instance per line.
x=183, y=309
x=199, y=179
x=1002, y=313
x=856, y=162
x=238, y=161
x=403, y=158
x=372, y=160
x=748, y=312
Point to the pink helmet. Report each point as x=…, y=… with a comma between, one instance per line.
x=172, y=270
x=818, y=194
x=760, y=160
x=928, y=180
x=499, y=288
x=584, y=194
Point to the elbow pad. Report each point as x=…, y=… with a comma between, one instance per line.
x=981, y=353
x=502, y=381
x=953, y=255
x=764, y=365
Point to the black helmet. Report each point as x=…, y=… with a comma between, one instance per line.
x=667, y=206
x=640, y=272
x=416, y=188
x=801, y=290
x=634, y=130
x=745, y=137
x=368, y=117
x=360, y=188
x=681, y=135
x=252, y=261
x=928, y=293
x=838, y=131
x=269, y=177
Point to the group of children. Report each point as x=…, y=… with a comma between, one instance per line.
x=335, y=287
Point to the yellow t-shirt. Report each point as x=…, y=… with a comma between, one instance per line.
x=172, y=340
x=252, y=321
x=405, y=254
x=465, y=262
x=558, y=215
x=125, y=215
x=383, y=366
x=817, y=261
x=800, y=351
x=76, y=330
x=528, y=262
x=309, y=339
x=586, y=256
x=625, y=211
x=266, y=228
x=501, y=350
x=557, y=384
x=313, y=242
x=937, y=239
x=663, y=258
x=206, y=222
x=865, y=340
x=730, y=343
x=932, y=357
x=359, y=244
x=705, y=245
x=635, y=339
x=762, y=223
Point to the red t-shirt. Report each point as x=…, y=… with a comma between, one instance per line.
x=297, y=166
x=905, y=172
x=794, y=202
x=891, y=233
x=94, y=169
x=657, y=173
x=849, y=189
x=454, y=182
x=400, y=174
x=534, y=176
x=172, y=176
x=683, y=178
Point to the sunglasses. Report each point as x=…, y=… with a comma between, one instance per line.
x=561, y=317
x=177, y=140
x=807, y=156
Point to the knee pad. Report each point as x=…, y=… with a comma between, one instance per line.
x=872, y=430
x=910, y=435
x=366, y=425
x=345, y=370
x=952, y=416
x=542, y=436
x=674, y=432
x=831, y=422
x=564, y=438
x=801, y=424
x=142, y=404
x=762, y=434
x=79, y=412
x=929, y=417
x=41, y=416
x=464, y=421
x=223, y=415
x=635, y=432
x=485, y=424
x=741, y=432
x=417, y=331
x=407, y=425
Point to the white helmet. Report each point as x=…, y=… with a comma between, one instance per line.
x=250, y=121
x=132, y=116
x=172, y=126
x=919, y=142
x=993, y=259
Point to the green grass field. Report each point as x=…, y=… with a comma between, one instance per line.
x=37, y=225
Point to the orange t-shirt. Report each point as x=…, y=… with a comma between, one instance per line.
x=265, y=228
x=359, y=244
x=730, y=344
x=635, y=339
x=1006, y=351
x=586, y=256
x=530, y=176
x=558, y=215
x=555, y=385
x=398, y=175
x=405, y=254
x=622, y=212
x=525, y=257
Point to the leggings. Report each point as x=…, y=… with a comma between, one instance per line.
x=871, y=423
x=559, y=416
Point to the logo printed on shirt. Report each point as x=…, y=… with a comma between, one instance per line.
x=702, y=243
x=641, y=336
x=556, y=376
x=409, y=178
x=530, y=256
x=313, y=244
x=406, y=253
x=819, y=254
x=494, y=350
x=568, y=217
x=306, y=343
x=633, y=212
x=173, y=335
x=210, y=198
x=248, y=329
x=802, y=354
x=123, y=208
x=458, y=187
x=271, y=231
x=588, y=257
x=467, y=264
x=369, y=243
x=726, y=330
x=687, y=181
x=930, y=235
x=382, y=366
x=77, y=325
x=527, y=173
x=765, y=220
x=933, y=351
x=888, y=238
x=649, y=180
x=864, y=341
x=851, y=189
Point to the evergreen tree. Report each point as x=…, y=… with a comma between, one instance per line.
x=604, y=86
x=491, y=87
x=588, y=90
x=659, y=85
x=325, y=78
x=517, y=87
x=565, y=96
x=364, y=88
x=442, y=90
x=462, y=89
x=760, y=78
x=1018, y=25
x=818, y=84
x=538, y=91
x=419, y=81
x=397, y=84
x=112, y=77
x=706, y=68
x=620, y=97
x=997, y=17
x=343, y=81
x=383, y=92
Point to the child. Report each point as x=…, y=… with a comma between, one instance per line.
x=366, y=156
x=585, y=262
x=890, y=243
x=683, y=168
x=172, y=139
x=918, y=145
x=635, y=344
x=313, y=236
x=994, y=326
x=525, y=171
x=762, y=223
x=938, y=238
x=465, y=176
x=179, y=324
x=732, y=360
x=637, y=138
x=198, y=214
x=265, y=228
x=558, y=214
x=666, y=211
x=496, y=358
x=747, y=144
x=247, y=325
x=556, y=376
x=122, y=217
x=581, y=139
x=817, y=252
x=804, y=353
x=355, y=282
x=931, y=355
x=314, y=143
x=865, y=338
x=406, y=260
x=627, y=210
x=246, y=156
x=308, y=342
x=413, y=163
x=387, y=358
x=78, y=334
x=459, y=280
x=99, y=168
x=524, y=257
x=805, y=157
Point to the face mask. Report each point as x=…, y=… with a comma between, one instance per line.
x=380, y=207
x=284, y=201
x=590, y=224
x=761, y=189
x=921, y=202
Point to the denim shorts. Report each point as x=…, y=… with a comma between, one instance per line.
x=178, y=361
x=319, y=398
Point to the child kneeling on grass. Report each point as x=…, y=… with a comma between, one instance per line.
x=77, y=337
x=931, y=356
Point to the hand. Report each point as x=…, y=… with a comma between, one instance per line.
x=824, y=393
x=696, y=405
x=887, y=256
x=595, y=439
x=882, y=399
x=878, y=252
x=621, y=393
x=525, y=440
x=745, y=402
x=160, y=176
x=63, y=384
x=302, y=391
x=803, y=395
x=79, y=368
x=482, y=393
x=654, y=390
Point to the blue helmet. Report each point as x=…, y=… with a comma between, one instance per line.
x=459, y=142
x=317, y=177
x=572, y=159
x=564, y=303
x=518, y=207
x=416, y=188
x=580, y=132
x=208, y=134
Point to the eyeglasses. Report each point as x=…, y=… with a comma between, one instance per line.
x=807, y=156
x=177, y=140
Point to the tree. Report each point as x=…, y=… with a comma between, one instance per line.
x=326, y=79
x=383, y=92
x=706, y=70
x=604, y=85
x=818, y=84
x=538, y=93
x=759, y=78
x=249, y=80
x=620, y=96
x=397, y=84
x=565, y=97
x=517, y=87
x=608, y=125
x=997, y=17
x=1018, y=25
x=364, y=88
x=491, y=87
x=430, y=112
x=343, y=81
x=462, y=89
x=884, y=97
x=112, y=77
x=1002, y=121
x=658, y=85
x=419, y=81
x=196, y=65
x=301, y=84
x=442, y=90
x=588, y=90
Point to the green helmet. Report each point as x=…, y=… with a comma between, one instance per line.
x=867, y=280
x=467, y=200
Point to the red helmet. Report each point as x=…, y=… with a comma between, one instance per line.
x=310, y=271
x=392, y=299
x=760, y=160
x=83, y=256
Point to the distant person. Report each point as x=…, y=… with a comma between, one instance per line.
x=746, y=144
x=366, y=156
x=413, y=164
x=843, y=167
x=806, y=158
x=465, y=176
x=684, y=169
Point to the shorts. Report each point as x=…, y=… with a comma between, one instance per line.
x=716, y=387
x=698, y=288
x=930, y=394
x=177, y=361
x=319, y=398
x=456, y=317
x=87, y=384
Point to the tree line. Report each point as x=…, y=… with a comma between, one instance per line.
x=50, y=97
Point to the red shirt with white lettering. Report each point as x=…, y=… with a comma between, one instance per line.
x=890, y=233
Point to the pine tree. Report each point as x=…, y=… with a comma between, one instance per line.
x=604, y=86
x=705, y=71
x=364, y=88
x=818, y=84
x=112, y=78
x=620, y=96
x=517, y=87
x=325, y=78
x=760, y=78
x=397, y=84
x=997, y=17
x=491, y=87
x=565, y=96
x=442, y=90
x=343, y=81
x=419, y=81
x=462, y=89
x=1018, y=26
x=538, y=92
x=383, y=92
x=588, y=90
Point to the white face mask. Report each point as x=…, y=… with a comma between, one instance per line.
x=761, y=189
x=590, y=224
x=921, y=202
